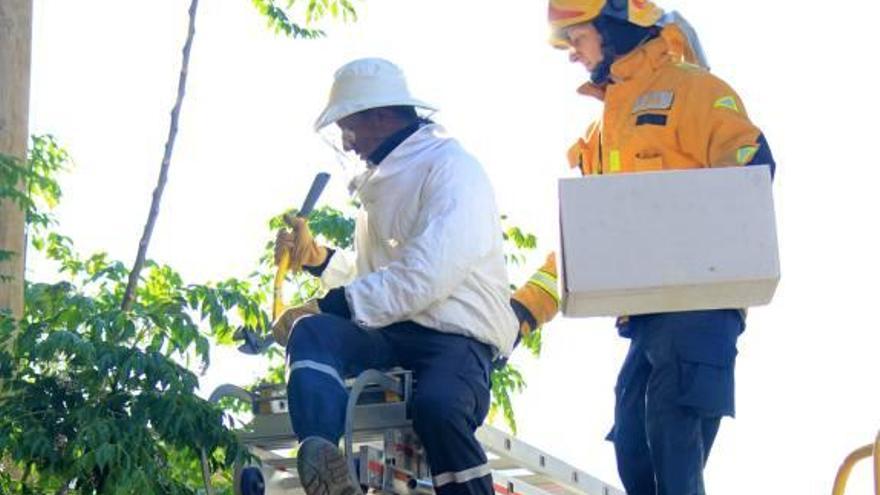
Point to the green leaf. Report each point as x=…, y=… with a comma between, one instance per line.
x=104, y=455
x=282, y=19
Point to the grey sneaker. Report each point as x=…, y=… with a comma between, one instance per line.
x=322, y=469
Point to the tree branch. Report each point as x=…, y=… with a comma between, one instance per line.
x=133, y=277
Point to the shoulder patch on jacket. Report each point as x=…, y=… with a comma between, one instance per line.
x=745, y=154
x=654, y=100
x=728, y=102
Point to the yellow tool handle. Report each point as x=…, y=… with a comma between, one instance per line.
x=280, y=275
x=278, y=292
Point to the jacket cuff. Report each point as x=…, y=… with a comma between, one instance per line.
x=317, y=271
x=335, y=303
x=524, y=316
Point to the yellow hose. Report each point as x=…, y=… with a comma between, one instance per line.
x=850, y=462
x=877, y=464
x=847, y=467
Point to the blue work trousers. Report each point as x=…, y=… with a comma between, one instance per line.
x=673, y=389
x=450, y=400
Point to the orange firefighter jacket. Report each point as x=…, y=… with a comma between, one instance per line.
x=661, y=113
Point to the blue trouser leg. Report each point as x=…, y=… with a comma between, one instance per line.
x=451, y=394
x=673, y=389
x=675, y=433
x=451, y=400
x=323, y=351
x=630, y=438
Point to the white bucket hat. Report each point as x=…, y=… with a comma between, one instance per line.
x=363, y=84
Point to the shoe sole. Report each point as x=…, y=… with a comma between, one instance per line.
x=323, y=470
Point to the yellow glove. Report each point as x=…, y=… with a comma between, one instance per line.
x=540, y=295
x=301, y=246
x=283, y=326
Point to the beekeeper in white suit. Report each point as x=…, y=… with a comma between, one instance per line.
x=427, y=290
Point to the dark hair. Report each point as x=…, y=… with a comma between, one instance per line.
x=404, y=112
x=619, y=37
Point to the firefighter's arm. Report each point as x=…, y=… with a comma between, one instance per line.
x=583, y=154
x=537, y=302
x=715, y=128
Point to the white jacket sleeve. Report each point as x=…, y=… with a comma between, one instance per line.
x=455, y=229
x=339, y=271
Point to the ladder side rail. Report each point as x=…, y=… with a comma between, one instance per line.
x=535, y=460
x=504, y=484
x=368, y=377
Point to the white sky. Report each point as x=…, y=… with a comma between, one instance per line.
x=104, y=80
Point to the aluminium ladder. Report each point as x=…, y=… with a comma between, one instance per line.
x=384, y=454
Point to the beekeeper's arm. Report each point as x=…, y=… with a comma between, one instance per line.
x=455, y=229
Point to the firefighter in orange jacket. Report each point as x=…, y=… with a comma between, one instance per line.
x=663, y=110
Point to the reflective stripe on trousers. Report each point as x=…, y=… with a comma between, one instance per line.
x=462, y=476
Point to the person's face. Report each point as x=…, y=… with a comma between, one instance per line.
x=361, y=133
x=585, y=45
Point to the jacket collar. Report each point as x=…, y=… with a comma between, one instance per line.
x=401, y=157
x=666, y=48
x=393, y=141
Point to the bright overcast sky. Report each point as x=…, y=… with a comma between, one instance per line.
x=104, y=80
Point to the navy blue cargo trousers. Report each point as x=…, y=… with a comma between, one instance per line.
x=673, y=389
x=450, y=400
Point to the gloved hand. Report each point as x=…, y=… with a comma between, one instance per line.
x=283, y=326
x=537, y=301
x=300, y=244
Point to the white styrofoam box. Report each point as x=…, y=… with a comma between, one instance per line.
x=668, y=241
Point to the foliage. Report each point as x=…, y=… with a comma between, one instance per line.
x=101, y=399
x=39, y=191
x=279, y=18
x=506, y=381
x=29, y=184
x=518, y=243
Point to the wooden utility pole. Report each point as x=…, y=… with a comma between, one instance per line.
x=15, y=72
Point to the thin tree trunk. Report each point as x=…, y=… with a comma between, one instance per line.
x=15, y=72
x=133, y=277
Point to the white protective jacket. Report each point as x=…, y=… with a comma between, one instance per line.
x=429, y=245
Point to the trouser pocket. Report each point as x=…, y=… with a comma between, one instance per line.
x=706, y=373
